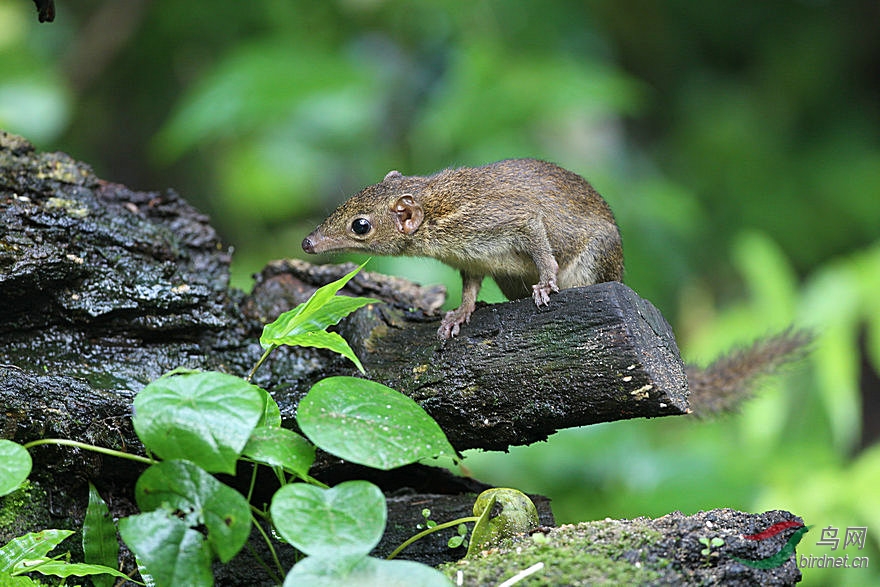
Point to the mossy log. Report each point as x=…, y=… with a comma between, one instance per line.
x=643, y=551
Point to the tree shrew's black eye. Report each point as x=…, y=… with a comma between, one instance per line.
x=361, y=226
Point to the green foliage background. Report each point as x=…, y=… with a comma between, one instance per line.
x=737, y=142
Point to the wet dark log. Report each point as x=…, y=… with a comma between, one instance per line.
x=518, y=373
x=105, y=288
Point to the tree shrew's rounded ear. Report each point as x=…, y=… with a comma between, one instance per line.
x=408, y=214
x=393, y=174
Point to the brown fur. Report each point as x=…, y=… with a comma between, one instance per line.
x=534, y=227
x=730, y=380
x=531, y=225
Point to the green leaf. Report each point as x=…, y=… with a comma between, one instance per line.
x=271, y=416
x=100, y=546
x=348, y=519
x=7, y=580
x=325, y=340
x=206, y=418
x=363, y=571
x=481, y=533
x=321, y=310
x=306, y=324
x=201, y=500
x=170, y=551
x=15, y=466
x=29, y=553
x=370, y=424
x=279, y=447
x=34, y=545
x=60, y=568
x=317, y=314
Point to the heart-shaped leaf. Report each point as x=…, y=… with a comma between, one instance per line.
x=170, y=551
x=198, y=499
x=370, y=424
x=362, y=571
x=15, y=466
x=206, y=418
x=348, y=519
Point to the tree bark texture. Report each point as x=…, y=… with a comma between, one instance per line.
x=104, y=289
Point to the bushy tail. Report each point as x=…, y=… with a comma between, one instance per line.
x=731, y=379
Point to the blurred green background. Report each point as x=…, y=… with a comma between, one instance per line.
x=737, y=142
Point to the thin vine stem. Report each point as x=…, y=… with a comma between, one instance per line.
x=253, y=483
x=268, y=542
x=260, y=362
x=311, y=480
x=424, y=533
x=91, y=447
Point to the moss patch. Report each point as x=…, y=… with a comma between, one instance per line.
x=584, y=554
x=663, y=551
x=22, y=510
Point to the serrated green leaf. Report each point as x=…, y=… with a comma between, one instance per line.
x=206, y=418
x=370, y=424
x=279, y=447
x=59, y=568
x=325, y=340
x=322, y=310
x=201, y=500
x=15, y=466
x=34, y=545
x=342, y=520
x=170, y=551
x=100, y=546
x=363, y=571
x=305, y=319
